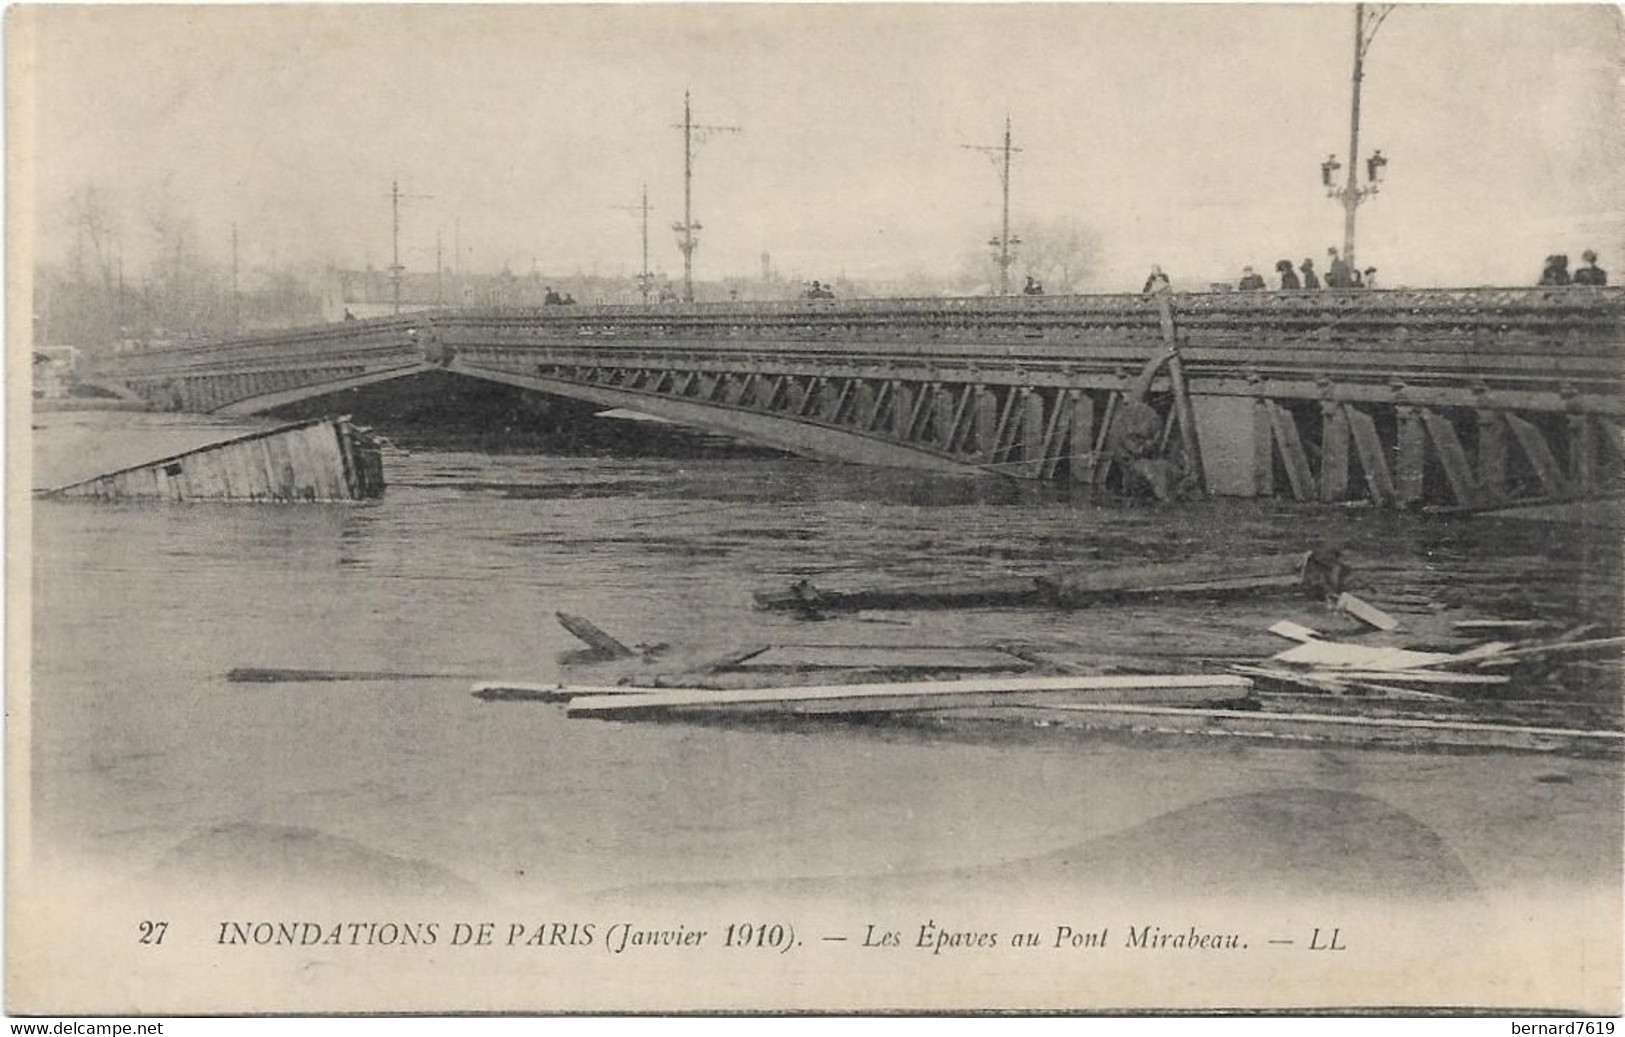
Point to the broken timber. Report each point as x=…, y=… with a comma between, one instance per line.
x=1225, y=578
x=328, y=459
x=906, y=696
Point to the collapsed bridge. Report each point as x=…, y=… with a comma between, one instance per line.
x=1470, y=398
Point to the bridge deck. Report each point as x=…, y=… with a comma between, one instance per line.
x=1329, y=387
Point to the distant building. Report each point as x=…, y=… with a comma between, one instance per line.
x=54, y=370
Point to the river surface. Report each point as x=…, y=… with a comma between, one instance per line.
x=144, y=757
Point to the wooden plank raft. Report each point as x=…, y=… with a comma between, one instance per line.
x=616, y=703
x=1219, y=578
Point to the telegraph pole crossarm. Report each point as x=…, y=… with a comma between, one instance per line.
x=1000, y=155
x=686, y=241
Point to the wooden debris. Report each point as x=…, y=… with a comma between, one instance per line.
x=1315, y=573
x=1294, y=632
x=875, y=657
x=1468, y=626
x=328, y=459
x=615, y=703
x=523, y=691
x=1366, y=612
x=1607, y=647
x=602, y=644
x=1335, y=654
x=279, y=675
x=1409, y=676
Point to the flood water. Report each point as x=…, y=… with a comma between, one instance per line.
x=145, y=757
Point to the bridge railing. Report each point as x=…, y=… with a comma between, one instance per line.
x=1575, y=320
x=279, y=348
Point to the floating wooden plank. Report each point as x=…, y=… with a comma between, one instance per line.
x=1471, y=625
x=526, y=691
x=594, y=637
x=1407, y=676
x=1366, y=612
x=615, y=703
x=1605, y=646
x=285, y=675
x=1225, y=577
x=327, y=459
x=1222, y=577
x=1336, y=655
x=1293, y=632
x=1322, y=727
x=912, y=657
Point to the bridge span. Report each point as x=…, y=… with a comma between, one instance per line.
x=1470, y=398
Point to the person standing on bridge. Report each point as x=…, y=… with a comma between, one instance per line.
x=1310, y=281
x=1251, y=281
x=1556, y=273
x=1156, y=281
x=1032, y=287
x=1289, y=276
x=1338, y=274
x=1590, y=274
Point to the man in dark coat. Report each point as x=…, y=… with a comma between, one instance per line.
x=1556, y=273
x=1338, y=274
x=1591, y=273
x=1289, y=276
x=1310, y=281
x=1250, y=281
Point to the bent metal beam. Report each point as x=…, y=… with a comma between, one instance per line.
x=1459, y=398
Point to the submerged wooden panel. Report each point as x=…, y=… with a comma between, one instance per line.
x=327, y=459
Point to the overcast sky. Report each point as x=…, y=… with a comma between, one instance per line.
x=1189, y=136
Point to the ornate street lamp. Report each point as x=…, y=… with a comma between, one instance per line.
x=1351, y=194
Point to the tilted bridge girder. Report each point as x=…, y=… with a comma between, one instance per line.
x=1465, y=398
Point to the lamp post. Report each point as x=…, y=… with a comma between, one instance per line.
x=1351, y=194
x=1004, y=245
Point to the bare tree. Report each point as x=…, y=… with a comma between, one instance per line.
x=1060, y=253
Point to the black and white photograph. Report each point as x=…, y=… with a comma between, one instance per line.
x=832, y=508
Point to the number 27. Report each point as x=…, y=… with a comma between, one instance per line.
x=153, y=932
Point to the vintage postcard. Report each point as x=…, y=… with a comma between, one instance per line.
x=840, y=508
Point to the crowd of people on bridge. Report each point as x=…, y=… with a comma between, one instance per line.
x=818, y=291
x=1556, y=271
x=553, y=298
x=1339, y=274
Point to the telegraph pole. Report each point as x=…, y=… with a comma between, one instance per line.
x=686, y=241
x=645, y=280
x=1004, y=242
x=395, y=268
